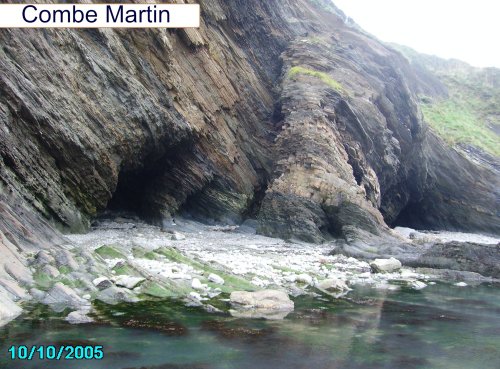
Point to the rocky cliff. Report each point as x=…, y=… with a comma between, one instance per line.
x=275, y=110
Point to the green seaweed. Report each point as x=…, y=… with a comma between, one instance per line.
x=109, y=252
x=42, y=280
x=232, y=282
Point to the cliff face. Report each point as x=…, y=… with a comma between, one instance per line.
x=277, y=110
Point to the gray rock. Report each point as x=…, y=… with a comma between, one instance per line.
x=333, y=285
x=19, y=272
x=51, y=271
x=65, y=258
x=196, y=284
x=215, y=278
x=114, y=295
x=13, y=289
x=128, y=281
x=463, y=256
x=176, y=236
x=417, y=285
x=8, y=308
x=269, y=304
x=37, y=294
x=195, y=295
x=102, y=283
x=62, y=295
x=454, y=275
x=43, y=257
x=79, y=317
x=304, y=278
x=385, y=265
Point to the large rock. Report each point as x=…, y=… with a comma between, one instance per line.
x=127, y=281
x=386, y=265
x=215, y=278
x=113, y=295
x=61, y=296
x=269, y=304
x=333, y=285
x=102, y=283
x=8, y=308
x=79, y=317
x=462, y=256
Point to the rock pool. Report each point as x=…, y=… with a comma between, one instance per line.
x=442, y=326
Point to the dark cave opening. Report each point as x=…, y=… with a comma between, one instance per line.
x=131, y=192
x=413, y=215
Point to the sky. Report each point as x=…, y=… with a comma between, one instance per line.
x=468, y=30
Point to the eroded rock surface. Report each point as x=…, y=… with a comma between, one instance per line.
x=272, y=110
x=278, y=109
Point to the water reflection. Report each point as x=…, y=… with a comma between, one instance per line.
x=440, y=327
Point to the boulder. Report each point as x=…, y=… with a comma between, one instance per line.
x=128, y=281
x=37, y=294
x=215, y=278
x=63, y=296
x=65, y=258
x=8, y=308
x=269, y=304
x=464, y=256
x=196, y=296
x=196, y=284
x=43, y=257
x=114, y=295
x=417, y=285
x=176, y=236
x=333, y=285
x=386, y=265
x=51, y=271
x=102, y=283
x=79, y=317
x=13, y=289
x=304, y=278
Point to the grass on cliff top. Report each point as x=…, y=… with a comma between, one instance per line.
x=456, y=124
x=325, y=78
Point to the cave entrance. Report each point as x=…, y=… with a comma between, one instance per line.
x=131, y=193
x=150, y=187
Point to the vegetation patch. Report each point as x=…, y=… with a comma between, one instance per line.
x=286, y=269
x=143, y=254
x=126, y=270
x=63, y=269
x=231, y=282
x=109, y=252
x=42, y=280
x=155, y=289
x=456, y=123
x=469, y=115
x=325, y=78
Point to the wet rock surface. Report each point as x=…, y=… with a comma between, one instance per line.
x=269, y=304
x=464, y=256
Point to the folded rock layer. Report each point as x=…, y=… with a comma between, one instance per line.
x=279, y=110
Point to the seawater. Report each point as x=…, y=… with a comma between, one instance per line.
x=441, y=326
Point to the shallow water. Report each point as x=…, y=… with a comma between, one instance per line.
x=441, y=326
